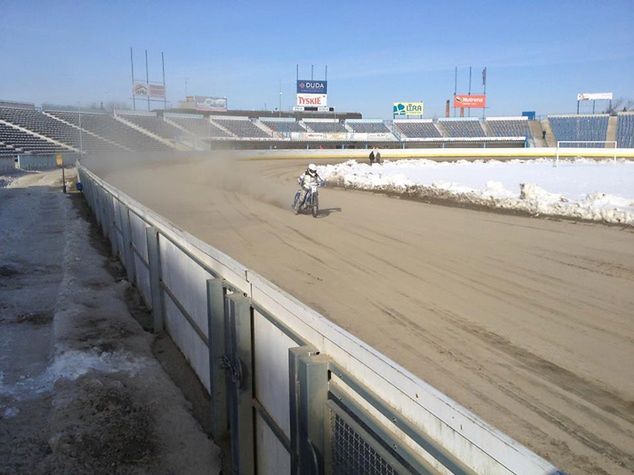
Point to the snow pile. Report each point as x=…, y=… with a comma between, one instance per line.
x=71, y=365
x=582, y=188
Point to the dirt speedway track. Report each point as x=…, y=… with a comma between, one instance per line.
x=527, y=322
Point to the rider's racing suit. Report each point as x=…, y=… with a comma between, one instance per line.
x=306, y=181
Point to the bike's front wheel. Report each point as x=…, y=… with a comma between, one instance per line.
x=315, y=207
x=295, y=205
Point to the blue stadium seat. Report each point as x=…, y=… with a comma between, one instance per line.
x=625, y=130
x=580, y=128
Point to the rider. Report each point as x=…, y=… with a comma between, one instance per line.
x=308, y=179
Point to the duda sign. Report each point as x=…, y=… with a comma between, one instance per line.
x=312, y=87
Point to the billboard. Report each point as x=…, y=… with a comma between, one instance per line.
x=141, y=89
x=305, y=86
x=312, y=100
x=470, y=101
x=207, y=103
x=152, y=90
x=594, y=96
x=404, y=109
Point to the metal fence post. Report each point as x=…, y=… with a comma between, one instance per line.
x=239, y=363
x=313, y=389
x=112, y=228
x=216, y=292
x=128, y=250
x=294, y=355
x=156, y=290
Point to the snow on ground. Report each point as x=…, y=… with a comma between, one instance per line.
x=581, y=188
x=80, y=389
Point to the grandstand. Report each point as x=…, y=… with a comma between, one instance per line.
x=153, y=124
x=625, y=130
x=20, y=141
x=26, y=129
x=325, y=126
x=579, y=128
x=107, y=127
x=7, y=151
x=48, y=126
x=197, y=125
x=367, y=126
x=241, y=127
x=458, y=128
x=283, y=125
x=508, y=127
x=423, y=128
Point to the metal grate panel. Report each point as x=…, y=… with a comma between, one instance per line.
x=351, y=454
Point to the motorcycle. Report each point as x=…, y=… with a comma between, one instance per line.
x=310, y=203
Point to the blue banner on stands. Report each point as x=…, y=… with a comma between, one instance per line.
x=312, y=87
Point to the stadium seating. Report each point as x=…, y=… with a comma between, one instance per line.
x=24, y=142
x=282, y=126
x=331, y=127
x=242, y=127
x=7, y=151
x=579, y=127
x=155, y=125
x=367, y=127
x=199, y=126
x=459, y=128
x=417, y=129
x=508, y=127
x=43, y=124
x=106, y=126
x=625, y=130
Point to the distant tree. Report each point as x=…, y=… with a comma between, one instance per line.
x=620, y=104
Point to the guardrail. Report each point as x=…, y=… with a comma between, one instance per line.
x=291, y=392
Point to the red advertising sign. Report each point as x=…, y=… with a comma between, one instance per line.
x=470, y=101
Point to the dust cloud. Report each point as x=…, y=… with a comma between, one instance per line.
x=227, y=170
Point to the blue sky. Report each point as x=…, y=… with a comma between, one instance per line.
x=539, y=54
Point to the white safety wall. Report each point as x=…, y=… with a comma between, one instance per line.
x=279, y=323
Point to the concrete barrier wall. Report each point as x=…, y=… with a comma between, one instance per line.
x=445, y=153
x=44, y=162
x=290, y=391
x=7, y=164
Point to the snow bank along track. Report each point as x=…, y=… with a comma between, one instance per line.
x=290, y=390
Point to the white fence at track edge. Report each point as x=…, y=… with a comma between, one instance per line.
x=289, y=389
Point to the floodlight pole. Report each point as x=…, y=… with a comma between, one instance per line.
x=147, y=81
x=164, y=90
x=81, y=135
x=469, y=88
x=484, y=91
x=132, y=70
x=455, y=89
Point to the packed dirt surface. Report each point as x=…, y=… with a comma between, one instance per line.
x=80, y=390
x=525, y=321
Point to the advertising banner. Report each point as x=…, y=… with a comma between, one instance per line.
x=473, y=101
x=157, y=91
x=141, y=89
x=594, y=96
x=312, y=100
x=305, y=86
x=213, y=104
x=403, y=109
x=153, y=90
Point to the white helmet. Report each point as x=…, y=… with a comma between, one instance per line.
x=312, y=168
